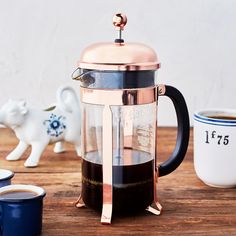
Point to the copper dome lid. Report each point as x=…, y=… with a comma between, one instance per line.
x=119, y=55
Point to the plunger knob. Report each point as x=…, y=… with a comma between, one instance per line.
x=119, y=21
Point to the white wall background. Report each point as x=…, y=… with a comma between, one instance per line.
x=41, y=41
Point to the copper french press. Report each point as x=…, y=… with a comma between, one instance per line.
x=119, y=96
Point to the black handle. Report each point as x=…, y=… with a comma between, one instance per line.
x=183, y=129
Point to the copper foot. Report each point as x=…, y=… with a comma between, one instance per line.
x=154, y=211
x=79, y=203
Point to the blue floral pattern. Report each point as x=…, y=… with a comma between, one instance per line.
x=55, y=125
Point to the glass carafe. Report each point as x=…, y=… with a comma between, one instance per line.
x=133, y=141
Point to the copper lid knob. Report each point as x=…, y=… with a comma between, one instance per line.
x=119, y=21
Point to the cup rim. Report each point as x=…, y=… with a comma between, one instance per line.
x=202, y=116
x=40, y=192
x=8, y=174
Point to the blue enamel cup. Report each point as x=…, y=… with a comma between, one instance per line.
x=5, y=177
x=22, y=216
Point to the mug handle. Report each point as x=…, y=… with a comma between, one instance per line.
x=183, y=129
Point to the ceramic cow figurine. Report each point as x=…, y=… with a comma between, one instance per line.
x=38, y=128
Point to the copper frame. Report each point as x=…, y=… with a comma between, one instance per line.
x=119, y=97
x=158, y=208
x=107, y=148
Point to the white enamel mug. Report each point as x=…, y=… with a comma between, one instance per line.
x=215, y=147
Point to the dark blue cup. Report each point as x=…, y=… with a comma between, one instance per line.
x=21, y=210
x=5, y=177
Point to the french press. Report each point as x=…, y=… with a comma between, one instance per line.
x=119, y=95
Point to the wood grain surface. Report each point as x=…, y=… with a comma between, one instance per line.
x=190, y=207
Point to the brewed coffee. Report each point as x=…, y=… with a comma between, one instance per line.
x=17, y=194
x=132, y=185
x=222, y=117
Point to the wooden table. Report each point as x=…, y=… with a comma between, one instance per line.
x=190, y=207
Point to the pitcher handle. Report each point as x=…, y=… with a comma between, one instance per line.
x=181, y=145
